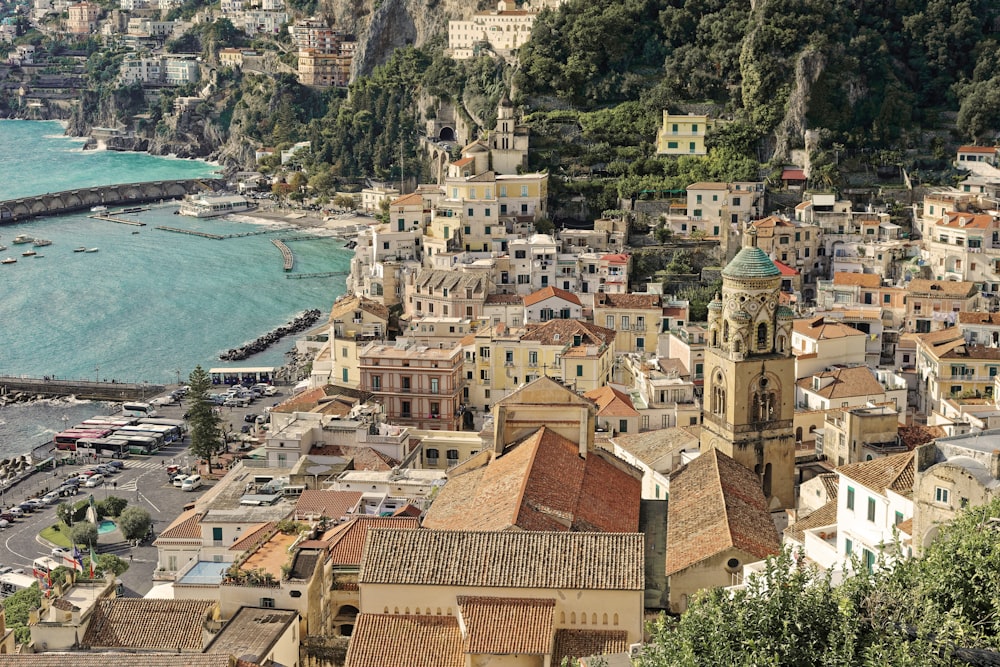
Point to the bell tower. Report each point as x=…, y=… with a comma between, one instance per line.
x=749, y=399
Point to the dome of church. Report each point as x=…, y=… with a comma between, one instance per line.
x=741, y=317
x=715, y=304
x=785, y=313
x=751, y=262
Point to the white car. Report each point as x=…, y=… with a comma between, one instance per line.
x=59, y=552
x=94, y=481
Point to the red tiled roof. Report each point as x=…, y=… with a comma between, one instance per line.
x=390, y=640
x=824, y=516
x=548, y=293
x=507, y=626
x=577, y=644
x=785, y=269
x=348, y=543
x=619, y=258
x=186, y=526
x=960, y=220
x=138, y=623
x=540, y=483
x=408, y=200
x=611, y=402
x=819, y=329
x=561, y=332
x=888, y=472
x=789, y=174
x=254, y=537
x=977, y=149
x=856, y=381
x=632, y=301
x=949, y=288
x=716, y=504
x=332, y=504
x=464, y=161
x=965, y=317
x=870, y=280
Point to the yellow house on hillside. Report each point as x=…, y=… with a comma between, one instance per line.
x=683, y=134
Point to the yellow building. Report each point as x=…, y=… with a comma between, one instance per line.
x=683, y=134
x=636, y=318
x=354, y=322
x=750, y=375
x=501, y=358
x=952, y=368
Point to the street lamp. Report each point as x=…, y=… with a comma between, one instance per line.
x=97, y=373
x=178, y=371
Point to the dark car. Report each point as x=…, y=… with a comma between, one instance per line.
x=8, y=517
x=27, y=508
x=116, y=464
x=250, y=418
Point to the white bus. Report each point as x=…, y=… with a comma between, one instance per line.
x=136, y=409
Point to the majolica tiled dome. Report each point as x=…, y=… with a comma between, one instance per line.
x=751, y=262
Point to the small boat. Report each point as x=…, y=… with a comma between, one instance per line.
x=28, y=253
x=80, y=249
x=98, y=209
x=42, y=242
x=22, y=238
x=39, y=256
x=2, y=248
x=135, y=232
x=91, y=250
x=9, y=260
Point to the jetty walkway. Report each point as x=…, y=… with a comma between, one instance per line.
x=127, y=194
x=324, y=274
x=217, y=237
x=121, y=221
x=83, y=389
x=286, y=253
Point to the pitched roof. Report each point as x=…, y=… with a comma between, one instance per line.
x=716, y=504
x=540, y=483
x=561, y=332
x=977, y=149
x=347, y=544
x=611, y=402
x=548, y=293
x=505, y=559
x=507, y=626
x=332, y=504
x=818, y=328
x=962, y=220
x=785, y=269
x=582, y=643
x=791, y=174
x=390, y=640
x=148, y=624
x=708, y=185
x=949, y=288
x=855, y=381
x=888, y=472
x=103, y=659
x=408, y=200
x=965, y=317
x=870, y=280
x=824, y=516
x=355, y=302
x=505, y=299
x=254, y=536
x=185, y=527
x=651, y=446
x=630, y=301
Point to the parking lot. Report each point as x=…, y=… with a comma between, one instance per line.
x=143, y=482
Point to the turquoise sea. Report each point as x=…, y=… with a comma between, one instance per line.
x=145, y=306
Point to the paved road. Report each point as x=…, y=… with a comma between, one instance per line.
x=143, y=482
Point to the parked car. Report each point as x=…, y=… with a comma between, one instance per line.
x=59, y=552
x=236, y=402
x=94, y=481
x=87, y=473
x=36, y=502
x=106, y=469
x=16, y=512
x=120, y=465
x=8, y=516
x=27, y=508
x=250, y=418
x=178, y=480
x=50, y=497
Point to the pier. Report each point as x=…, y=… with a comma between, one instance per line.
x=327, y=274
x=121, y=221
x=285, y=252
x=82, y=389
x=177, y=230
x=81, y=199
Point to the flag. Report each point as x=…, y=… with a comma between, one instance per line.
x=77, y=558
x=93, y=558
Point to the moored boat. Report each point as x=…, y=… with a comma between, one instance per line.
x=98, y=209
x=9, y=260
x=80, y=249
x=91, y=250
x=22, y=238
x=28, y=253
x=42, y=242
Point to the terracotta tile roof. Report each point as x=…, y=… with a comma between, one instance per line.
x=819, y=329
x=561, y=332
x=937, y=288
x=847, y=382
x=582, y=643
x=505, y=299
x=548, y=293
x=963, y=351
x=347, y=545
x=830, y=484
x=630, y=301
x=960, y=220
x=362, y=458
x=789, y=174
x=669, y=365
x=906, y=526
x=914, y=436
x=979, y=318
x=708, y=185
x=507, y=626
x=389, y=640
x=870, y=280
x=540, y=483
x=408, y=200
x=186, y=526
x=103, y=659
x=611, y=402
x=888, y=472
x=463, y=162
x=352, y=303
x=716, y=504
x=785, y=269
x=332, y=504
x=138, y=623
x=824, y=516
x=771, y=221
x=938, y=338
x=989, y=150
x=254, y=536
x=677, y=311
x=505, y=559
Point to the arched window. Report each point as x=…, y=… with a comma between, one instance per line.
x=781, y=343
x=761, y=336
x=767, y=480
x=715, y=337
x=736, y=345
x=725, y=331
x=798, y=434
x=763, y=402
x=718, y=394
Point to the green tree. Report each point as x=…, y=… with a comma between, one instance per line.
x=134, y=523
x=112, y=505
x=65, y=513
x=84, y=533
x=109, y=563
x=206, y=430
x=16, y=610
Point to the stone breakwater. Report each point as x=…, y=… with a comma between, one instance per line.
x=299, y=324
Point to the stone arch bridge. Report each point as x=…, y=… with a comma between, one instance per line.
x=55, y=203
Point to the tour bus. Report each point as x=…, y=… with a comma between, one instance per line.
x=138, y=444
x=135, y=409
x=109, y=422
x=66, y=440
x=116, y=448
x=13, y=582
x=168, y=433
x=177, y=426
x=126, y=432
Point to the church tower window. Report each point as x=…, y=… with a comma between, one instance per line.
x=761, y=336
